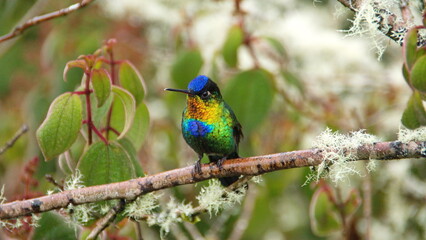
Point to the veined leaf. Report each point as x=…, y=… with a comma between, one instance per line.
x=61, y=127
x=105, y=163
x=130, y=149
x=129, y=107
x=230, y=48
x=101, y=83
x=137, y=133
x=131, y=80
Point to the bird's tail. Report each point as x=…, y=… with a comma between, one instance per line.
x=226, y=181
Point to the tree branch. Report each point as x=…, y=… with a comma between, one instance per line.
x=257, y=165
x=388, y=22
x=15, y=138
x=39, y=19
x=105, y=221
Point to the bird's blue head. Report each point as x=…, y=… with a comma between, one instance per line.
x=201, y=86
x=198, y=83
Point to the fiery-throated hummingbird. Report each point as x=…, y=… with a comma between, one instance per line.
x=209, y=125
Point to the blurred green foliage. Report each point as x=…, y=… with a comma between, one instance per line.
x=280, y=106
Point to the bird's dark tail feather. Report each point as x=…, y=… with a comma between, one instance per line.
x=226, y=181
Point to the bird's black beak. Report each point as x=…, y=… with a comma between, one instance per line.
x=178, y=90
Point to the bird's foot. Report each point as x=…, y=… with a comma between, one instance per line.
x=197, y=167
x=219, y=163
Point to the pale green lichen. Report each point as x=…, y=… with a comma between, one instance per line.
x=81, y=214
x=171, y=215
x=144, y=205
x=74, y=181
x=339, y=150
x=257, y=179
x=215, y=198
x=33, y=221
x=406, y=135
x=371, y=21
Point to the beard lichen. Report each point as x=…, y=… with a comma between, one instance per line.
x=339, y=151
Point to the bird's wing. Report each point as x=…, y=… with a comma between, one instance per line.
x=237, y=128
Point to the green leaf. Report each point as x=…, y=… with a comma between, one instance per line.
x=99, y=113
x=291, y=79
x=61, y=127
x=140, y=126
x=406, y=74
x=101, y=83
x=277, y=46
x=230, y=48
x=129, y=107
x=250, y=95
x=79, y=63
x=418, y=74
x=186, y=66
x=131, y=80
x=414, y=114
x=61, y=230
x=117, y=117
x=352, y=203
x=103, y=164
x=130, y=149
x=323, y=214
x=410, y=47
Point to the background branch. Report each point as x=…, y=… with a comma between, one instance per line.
x=15, y=138
x=388, y=22
x=257, y=165
x=42, y=18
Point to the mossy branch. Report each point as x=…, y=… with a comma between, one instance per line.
x=388, y=22
x=251, y=166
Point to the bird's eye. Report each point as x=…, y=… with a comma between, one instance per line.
x=205, y=94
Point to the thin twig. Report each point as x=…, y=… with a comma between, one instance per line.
x=250, y=166
x=138, y=230
x=43, y=18
x=50, y=179
x=241, y=225
x=15, y=138
x=106, y=220
x=193, y=231
x=366, y=192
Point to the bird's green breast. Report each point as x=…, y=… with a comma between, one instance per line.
x=208, y=128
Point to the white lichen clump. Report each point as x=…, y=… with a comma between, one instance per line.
x=81, y=213
x=142, y=206
x=74, y=181
x=406, y=135
x=371, y=21
x=339, y=150
x=215, y=198
x=33, y=221
x=171, y=215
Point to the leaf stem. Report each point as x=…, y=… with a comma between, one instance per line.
x=99, y=134
x=113, y=79
x=88, y=106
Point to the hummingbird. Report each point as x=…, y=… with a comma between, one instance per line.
x=209, y=126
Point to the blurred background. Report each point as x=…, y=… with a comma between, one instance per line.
x=283, y=66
